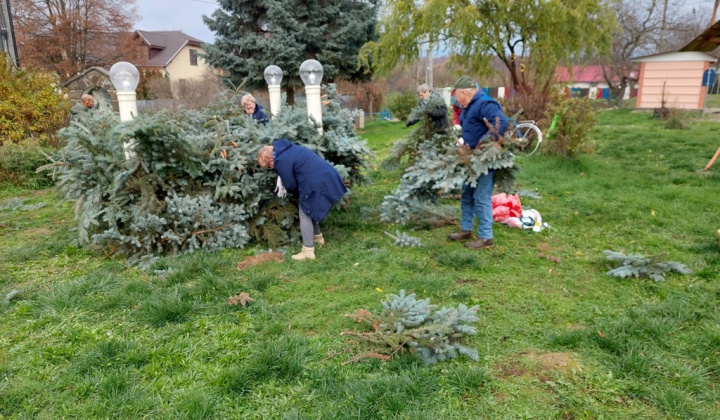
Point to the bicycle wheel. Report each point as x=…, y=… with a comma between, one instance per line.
x=528, y=137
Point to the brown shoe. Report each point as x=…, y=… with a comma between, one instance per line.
x=459, y=236
x=480, y=244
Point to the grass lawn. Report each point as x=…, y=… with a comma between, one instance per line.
x=712, y=101
x=83, y=336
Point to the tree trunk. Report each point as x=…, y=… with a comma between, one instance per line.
x=619, y=93
x=370, y=106
x=290, y=95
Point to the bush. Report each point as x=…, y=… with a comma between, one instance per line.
x=178, y=94
x=402, y=104
x=18, y=166
x=570, y=136
x=31, y=110
x=676, y=119
x=533, y=105
x=367, y=96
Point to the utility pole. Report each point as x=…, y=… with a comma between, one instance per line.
x=429, y=72
x=664, y=14
x=7, y=33
x=715, y=9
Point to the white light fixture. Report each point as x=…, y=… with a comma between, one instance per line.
x=311, y=72
x=124, y=76
x=273, y=75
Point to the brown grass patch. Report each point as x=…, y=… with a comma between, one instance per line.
x=467, y=281
x=260, y=259
x=538, y=365
x=38, y=232
x=545, y=251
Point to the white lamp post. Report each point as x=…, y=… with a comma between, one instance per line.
x=273, y=77
x=311, y=73
x=125, y=77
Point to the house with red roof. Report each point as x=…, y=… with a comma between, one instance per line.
x=582, y=77
x=587, y=79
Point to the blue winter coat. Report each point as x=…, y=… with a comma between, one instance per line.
x=304, y=172
x=259, y=115
x=471, y=119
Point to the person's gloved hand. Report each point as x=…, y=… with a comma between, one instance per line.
x=280, y=188
x=457, y=128
x=459, y=142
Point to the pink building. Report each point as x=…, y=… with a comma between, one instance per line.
x=673, y=80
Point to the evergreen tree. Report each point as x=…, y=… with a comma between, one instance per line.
x=252, y=34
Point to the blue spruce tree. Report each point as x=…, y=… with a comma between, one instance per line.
x=253, y=34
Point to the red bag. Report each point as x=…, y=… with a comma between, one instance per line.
x=505, y=206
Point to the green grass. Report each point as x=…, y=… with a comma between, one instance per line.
x=712, y=101
x=558, y=338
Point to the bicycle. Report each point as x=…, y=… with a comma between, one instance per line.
x=525, y=133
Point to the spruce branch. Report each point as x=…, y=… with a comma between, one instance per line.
x=636, y=265
x=408, y=324
x=403, y=239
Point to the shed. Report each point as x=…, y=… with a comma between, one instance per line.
x=94, y=81
x=673, y=80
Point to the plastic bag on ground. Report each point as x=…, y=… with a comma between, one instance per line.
x=505, y=206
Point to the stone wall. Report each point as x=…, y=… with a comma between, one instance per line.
x=96, y=82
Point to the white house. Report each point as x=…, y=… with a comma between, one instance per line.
x=174, y=54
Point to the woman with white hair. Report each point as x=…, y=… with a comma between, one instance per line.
x=254, y=109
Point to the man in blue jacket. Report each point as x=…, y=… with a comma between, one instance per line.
x=313, y=179
x=478, y=108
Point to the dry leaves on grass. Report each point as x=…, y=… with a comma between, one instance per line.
x=260, y=259
x=242, y=298
x=544, y=249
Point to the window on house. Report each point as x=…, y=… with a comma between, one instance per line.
x=193, y=57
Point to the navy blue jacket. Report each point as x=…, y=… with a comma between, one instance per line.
x=259, y=115
x=304, y=172
x=471, y=119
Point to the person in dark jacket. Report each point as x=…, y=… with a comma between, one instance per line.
x=430, y=104
x=83, y=109
x=477, y=202
x=316, y=182
x=254, y=109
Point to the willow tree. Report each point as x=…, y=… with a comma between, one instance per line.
x=530, y=37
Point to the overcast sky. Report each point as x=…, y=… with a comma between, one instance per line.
x=186, y=15
x=180, y=15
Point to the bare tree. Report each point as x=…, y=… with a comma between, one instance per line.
x=367, y=96
x=67, y=36
x=197, y=93
x=645, y=27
